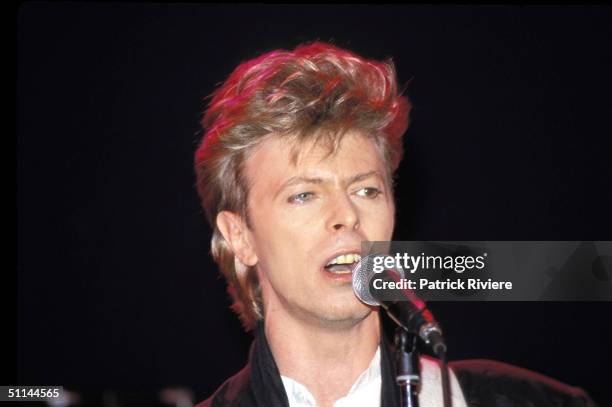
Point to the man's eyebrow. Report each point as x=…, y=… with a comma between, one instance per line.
x=310, y=180
x=362, y=176
x=298, y=180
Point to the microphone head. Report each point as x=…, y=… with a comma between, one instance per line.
x=362, y=278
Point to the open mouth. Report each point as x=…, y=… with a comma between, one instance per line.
x=343, y=264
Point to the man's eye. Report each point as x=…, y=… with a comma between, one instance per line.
x=301, y=197
x=369, y=192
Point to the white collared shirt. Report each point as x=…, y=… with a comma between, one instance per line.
x=365, y=392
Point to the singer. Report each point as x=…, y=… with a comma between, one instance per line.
x=295, y=169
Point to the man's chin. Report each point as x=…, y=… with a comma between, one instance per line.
x=343, y=315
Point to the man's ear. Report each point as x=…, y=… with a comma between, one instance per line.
x=236, y=234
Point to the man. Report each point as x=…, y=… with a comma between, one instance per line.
x=294, y=172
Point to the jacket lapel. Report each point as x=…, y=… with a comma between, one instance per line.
x=266, y=382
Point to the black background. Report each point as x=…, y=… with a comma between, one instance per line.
x=510, y=140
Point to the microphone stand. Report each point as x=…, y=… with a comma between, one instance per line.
x=407, y=367
x=407, y=357
x=413, y=321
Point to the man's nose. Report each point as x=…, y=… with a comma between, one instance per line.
x=343, y=213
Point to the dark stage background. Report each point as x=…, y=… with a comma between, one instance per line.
x=510, y=140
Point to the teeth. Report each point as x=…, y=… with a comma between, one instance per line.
x=345, y=259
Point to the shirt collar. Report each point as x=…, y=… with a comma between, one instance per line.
x=368, y=381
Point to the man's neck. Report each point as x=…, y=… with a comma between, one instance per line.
x=327, y=360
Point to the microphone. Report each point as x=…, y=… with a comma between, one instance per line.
x=405, y=309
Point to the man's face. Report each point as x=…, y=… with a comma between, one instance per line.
x=304, y=215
